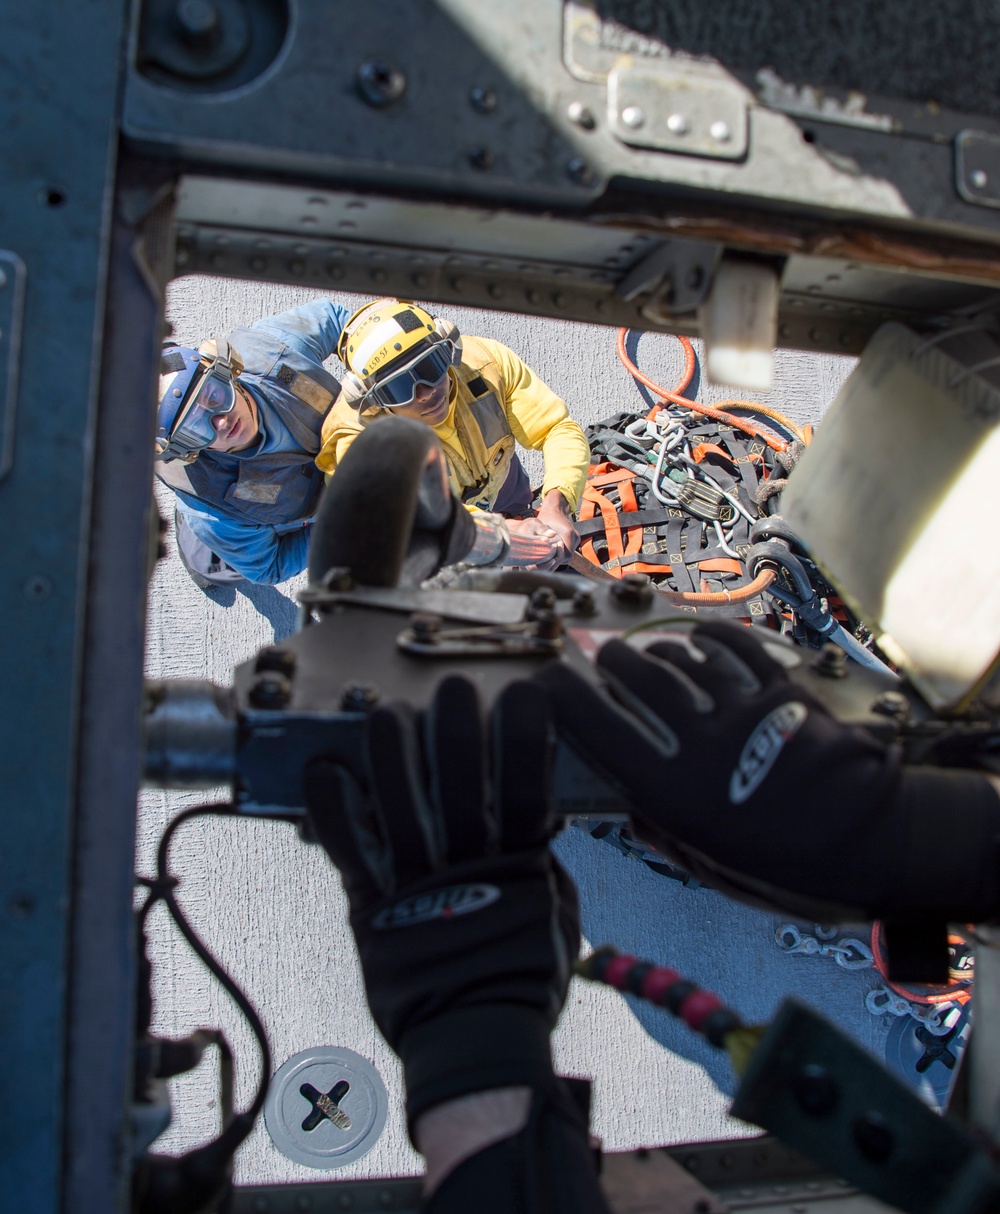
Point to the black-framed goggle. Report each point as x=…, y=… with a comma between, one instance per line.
x=211, y=393
x=400, y=386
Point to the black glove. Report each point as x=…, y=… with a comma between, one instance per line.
x=749, y=782
x=466, y=925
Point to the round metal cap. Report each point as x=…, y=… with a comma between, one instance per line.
x=326, y=1107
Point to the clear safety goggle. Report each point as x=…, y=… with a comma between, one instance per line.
x=212, y=393
x=400, y=386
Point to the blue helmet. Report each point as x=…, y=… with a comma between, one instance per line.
x=195, y=387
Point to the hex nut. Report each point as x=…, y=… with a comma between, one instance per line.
x=270, y=690
x=634, y=590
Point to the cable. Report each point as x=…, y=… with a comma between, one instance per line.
x=718, y=413
x=701, y=1010
x=162, y=889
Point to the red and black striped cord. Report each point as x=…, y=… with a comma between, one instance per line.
x=700, y=1010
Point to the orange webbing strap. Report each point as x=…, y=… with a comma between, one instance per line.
x=593, y=500
x=587, y=510
x=699, y=452
x=721, y=564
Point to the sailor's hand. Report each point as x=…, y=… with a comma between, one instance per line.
x=465, y=923
x=555, y=513
x=534, y=545
x=745, y=779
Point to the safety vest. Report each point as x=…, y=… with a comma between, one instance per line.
x=477, y=472
x=482, y=446
x=280, y=486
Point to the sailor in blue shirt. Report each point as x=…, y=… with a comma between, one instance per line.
x=238, y=429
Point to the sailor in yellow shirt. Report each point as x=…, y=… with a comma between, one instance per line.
x=480, y=399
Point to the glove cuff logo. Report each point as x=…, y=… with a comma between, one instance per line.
x=437, y=904
x=762, y=749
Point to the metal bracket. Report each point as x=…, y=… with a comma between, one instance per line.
x=676, y=274
x=474, y=606
x=426, y=638
x=823, y=1095
x=977, y=167
x=673, y=108
x=12, y=278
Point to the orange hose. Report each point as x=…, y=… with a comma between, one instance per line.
x=760, y=583
x=957, y=990
x=717, y=412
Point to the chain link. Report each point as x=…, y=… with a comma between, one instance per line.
x=933, y=1016
x=852, y=954
x=848, y=952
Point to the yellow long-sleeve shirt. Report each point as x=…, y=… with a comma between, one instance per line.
x=535, y=417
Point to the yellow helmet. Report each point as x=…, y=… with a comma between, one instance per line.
x=389, y=347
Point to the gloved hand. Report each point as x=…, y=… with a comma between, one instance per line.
x=465, y=923
x=749, y=782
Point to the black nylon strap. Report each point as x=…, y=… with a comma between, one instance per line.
x=652, y=517
x=675, y=550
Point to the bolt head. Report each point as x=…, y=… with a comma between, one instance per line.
x=483, y=101
x=720, y=132
x=677, y=124
x=359, y=697
x=633, y=117
x=979, y=179
x=270, y=690
x=634, y=590
x=426, y=627
x=379, y=83
x=481, y=158
x=198, y=20
x=548, y=625
x=337, y=579
x=543, y=599
x=579, y=171
x=584, y=603
x=582, y=115
x=891, y=704
x=832, y=662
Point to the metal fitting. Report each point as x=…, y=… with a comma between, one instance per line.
x=480, y=158
x=584, y=603
x=634, y=590
x=548, y=626
x=379, y=83
x=832, y=662
x=190, y=734
x=359, y=697
x=579, y=171
x=338, y=580
x=426, y=628
x=543, y=599
x=891, y=704
x=270, y=690
x=197, y=22
x=483, y=101
x=582, y=115
x=276, y=657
